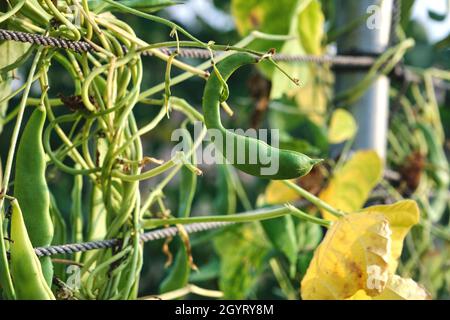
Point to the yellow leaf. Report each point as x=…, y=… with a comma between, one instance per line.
x=278, y=193
x=353, y=256
x=312, y=97
x=310, y=27
x=399, y=288
x=351, y=185
x=402, y=216
x=342, y=126
x=360, y=295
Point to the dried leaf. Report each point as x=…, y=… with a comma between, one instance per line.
x=401, y=216
x=399, y=288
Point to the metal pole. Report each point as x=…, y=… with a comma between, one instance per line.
x=370, y=37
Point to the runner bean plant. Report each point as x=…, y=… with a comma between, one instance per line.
x=93, y=135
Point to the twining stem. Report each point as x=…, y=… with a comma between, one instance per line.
x=179, y=293
x=166, y=22
x=249, y=216
x=304, y=216
x=313, y=199
x=256, y=215
x=184, y=76
x=154, y=52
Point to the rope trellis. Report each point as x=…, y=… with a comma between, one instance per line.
x=77, y=46
x=110, y=243
x=83, y=46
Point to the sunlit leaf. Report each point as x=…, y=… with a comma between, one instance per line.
x=351, y=185
x=311, y=27
x=402, y=216
x=267, y=16
x=360, y=295
x=277, y=193
x=281, y=84
x=312, y=97
x=353, y=256
x=342, y=126
x=308, y=25
x=399, y=288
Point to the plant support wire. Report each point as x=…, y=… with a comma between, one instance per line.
x=110, y=243
x=83, y=46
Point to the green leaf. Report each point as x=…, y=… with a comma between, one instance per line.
x=207, y=272
x=282, y=235
x=311, y=27
x=309, y=235
x=242, y=252
x=178, y=274
x=285, y=114
x=307, y=25
x=282, y=85
x=267, y=16
x=11, y=52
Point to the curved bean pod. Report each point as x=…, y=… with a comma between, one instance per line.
x=291, y=164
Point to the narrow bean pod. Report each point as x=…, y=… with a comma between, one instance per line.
x=29, y=281
x=30, y=187
x=288, y=164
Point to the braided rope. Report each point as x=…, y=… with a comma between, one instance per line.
x=193, y=53
x=77, y=46
x=356, y=61
x=145, y=237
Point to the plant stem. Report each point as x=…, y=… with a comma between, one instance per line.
x=304, y=216
x=313, y=199
x=249, y=216
x=283, y=280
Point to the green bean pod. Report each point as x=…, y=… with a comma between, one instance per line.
x=30, y=187
x=29, y=281
x=290, y=164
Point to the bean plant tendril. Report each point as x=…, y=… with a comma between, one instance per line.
x=93, y=138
